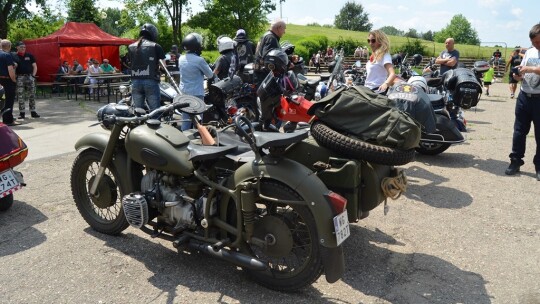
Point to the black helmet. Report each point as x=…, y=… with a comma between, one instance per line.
x=276, y=61
x=287, y=47
x=193, y=43
x=417, y=59
x=149, y=32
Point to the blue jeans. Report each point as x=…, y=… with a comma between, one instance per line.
x=146, y=90
x=527, y=111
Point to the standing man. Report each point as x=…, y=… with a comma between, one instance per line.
x=144, y=55
x=268, y=42
x=245, y=49
x=513, y=61
x=527, y=105
x=317, y=62
x=448, y=59
x=8, y=80
x=26, y=80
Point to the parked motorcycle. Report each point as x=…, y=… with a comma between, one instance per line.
x=241, y=200
x=13, y=151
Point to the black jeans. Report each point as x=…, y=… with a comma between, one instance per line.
x=10, y=88
x=527, y=111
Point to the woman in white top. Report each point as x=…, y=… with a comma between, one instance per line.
x=380, y=71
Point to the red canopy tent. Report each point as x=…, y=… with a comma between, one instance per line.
x=74, y=40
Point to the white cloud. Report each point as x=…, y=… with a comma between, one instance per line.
x=516, y=11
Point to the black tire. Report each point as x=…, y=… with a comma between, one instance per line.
x=6, y=202
x=428, y=148
x=295, y=261
x=104, y=213
x=358, y=149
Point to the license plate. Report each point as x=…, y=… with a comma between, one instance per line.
x=8, y=183
x=341, y=227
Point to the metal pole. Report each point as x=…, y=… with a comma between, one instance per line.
x=280, y=9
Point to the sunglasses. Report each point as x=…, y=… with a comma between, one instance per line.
x=371, y=40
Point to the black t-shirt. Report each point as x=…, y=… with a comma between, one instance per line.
x=24, y=64
x=5, y=60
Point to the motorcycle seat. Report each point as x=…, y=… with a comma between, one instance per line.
x=201, y=152
x=274, y=139
x=436, y=100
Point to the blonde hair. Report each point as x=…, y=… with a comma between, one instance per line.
x=381, y=38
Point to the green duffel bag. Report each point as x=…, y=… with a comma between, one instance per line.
x=368, y=116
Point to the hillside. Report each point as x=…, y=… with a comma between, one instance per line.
x=296, y=32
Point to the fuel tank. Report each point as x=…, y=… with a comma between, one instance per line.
x=160, y=146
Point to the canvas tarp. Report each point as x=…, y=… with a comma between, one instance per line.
x=74, y=40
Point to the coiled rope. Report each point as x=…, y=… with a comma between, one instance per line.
x=393, y=187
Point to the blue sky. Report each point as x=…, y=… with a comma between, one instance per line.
x=495, y=21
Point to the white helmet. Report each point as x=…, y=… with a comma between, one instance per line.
x=418, y=81
x=224, y=44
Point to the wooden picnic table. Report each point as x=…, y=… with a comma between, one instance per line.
x=108, y=79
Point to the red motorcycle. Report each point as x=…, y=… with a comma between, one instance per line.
x=13, y=151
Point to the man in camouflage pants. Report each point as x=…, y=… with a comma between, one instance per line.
x=26, y=81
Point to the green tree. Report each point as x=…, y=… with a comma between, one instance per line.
x=460, y=29
x=38, y=25
x=352, y=17
x=412, y=33
x=112, y=22
x=12, y=10
x=226, y=16
x=83, y=11
x=391, y=31
x=427, y=35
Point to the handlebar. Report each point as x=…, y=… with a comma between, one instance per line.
x=163, y=109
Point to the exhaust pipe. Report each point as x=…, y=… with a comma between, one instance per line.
x=236, y=258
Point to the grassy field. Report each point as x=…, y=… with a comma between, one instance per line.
x=296, y=32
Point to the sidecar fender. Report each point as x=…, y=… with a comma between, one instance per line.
x=121, y=161
x=302, y=180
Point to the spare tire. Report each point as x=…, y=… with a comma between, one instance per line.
x=358, y=149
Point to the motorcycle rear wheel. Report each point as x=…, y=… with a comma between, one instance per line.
x=6, y=202
x=358, y=149
x=104, y=213
x=432, y=148
x=294, y=259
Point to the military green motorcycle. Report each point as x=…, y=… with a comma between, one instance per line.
x=240, y=200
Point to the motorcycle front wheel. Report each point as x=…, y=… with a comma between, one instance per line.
x=430, y=148
x=6, y=202
x=293, y=254
x=103, y=212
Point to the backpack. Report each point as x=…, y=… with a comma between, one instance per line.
x=368, y=116
x=359, y=112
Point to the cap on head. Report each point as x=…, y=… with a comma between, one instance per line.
x=20, y=43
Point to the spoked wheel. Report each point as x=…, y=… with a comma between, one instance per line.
x=103, y=212
x=431, y=148
x=6, y=202
x=292, y=251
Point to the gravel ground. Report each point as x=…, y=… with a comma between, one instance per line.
x=463, y=233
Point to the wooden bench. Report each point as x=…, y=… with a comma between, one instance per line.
x=45, y=87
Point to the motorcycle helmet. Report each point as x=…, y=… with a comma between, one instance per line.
x=193, y=43
x=287, y=47
x=112, y=109
x=419, y=81
x=417, y=58
x=276, y=61
x=149, y=32
x=224, y=43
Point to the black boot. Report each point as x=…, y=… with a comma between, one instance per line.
x=21, y=115
x=514, y=166
x=35, y=114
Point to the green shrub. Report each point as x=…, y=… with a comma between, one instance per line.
x=310, y=45
x=348, y=44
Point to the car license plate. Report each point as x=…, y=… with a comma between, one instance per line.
x=8, y=183
x=341, y=227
